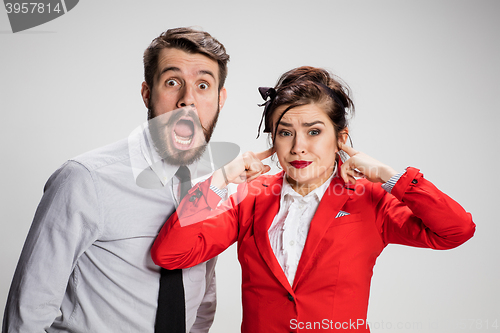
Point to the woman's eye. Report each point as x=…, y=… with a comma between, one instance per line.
x=203, y=86
x=284, y=133
x=314, y=132
x=172, y=83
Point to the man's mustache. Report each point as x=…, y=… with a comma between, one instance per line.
x=169, y=119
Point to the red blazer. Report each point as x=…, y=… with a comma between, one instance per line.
x=332, y=283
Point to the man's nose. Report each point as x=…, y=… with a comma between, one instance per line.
x=186, y=97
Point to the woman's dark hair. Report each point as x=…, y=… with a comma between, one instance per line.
x=308, y=85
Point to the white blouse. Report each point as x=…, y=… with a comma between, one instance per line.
x=288, y=232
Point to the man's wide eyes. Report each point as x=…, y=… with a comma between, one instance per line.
x=172, y=83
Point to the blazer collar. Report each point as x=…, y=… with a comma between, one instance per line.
x=333, y=200
x=267, y=205
x=267, y=202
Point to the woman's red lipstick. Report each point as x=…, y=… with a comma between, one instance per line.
x=300, y=164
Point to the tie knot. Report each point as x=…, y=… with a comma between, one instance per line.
x=183, y=174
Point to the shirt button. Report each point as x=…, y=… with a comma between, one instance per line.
x=292, y=243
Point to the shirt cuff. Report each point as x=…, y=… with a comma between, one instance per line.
x=221, y=193
x=391, y=182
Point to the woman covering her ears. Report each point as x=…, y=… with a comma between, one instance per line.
x=308, y=237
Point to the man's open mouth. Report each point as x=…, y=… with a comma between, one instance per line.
x=183, y=133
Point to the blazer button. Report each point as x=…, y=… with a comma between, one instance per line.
x=414, y=181
x=193, y=198
x=290, y=297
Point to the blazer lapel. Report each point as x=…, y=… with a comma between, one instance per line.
x=334, y=198
x=266, y=208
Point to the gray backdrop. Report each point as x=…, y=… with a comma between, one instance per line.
x=425, y=77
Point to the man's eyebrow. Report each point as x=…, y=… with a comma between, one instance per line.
x=171, y=68
x=207, y=72
x=177, y=69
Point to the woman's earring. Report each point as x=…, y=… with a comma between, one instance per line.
x=278, y=165
x=350, y=141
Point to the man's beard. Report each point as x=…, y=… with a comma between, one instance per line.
x=162, y=126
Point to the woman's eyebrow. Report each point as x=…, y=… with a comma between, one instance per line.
x=312, y=123
x=282, y=123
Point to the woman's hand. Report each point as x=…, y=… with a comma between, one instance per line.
x=245, y=167
x=361, y=165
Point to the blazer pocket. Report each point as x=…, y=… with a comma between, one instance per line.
x=351, y=218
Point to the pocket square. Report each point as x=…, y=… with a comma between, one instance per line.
x=342, y=213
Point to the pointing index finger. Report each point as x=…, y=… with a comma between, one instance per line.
x=265, y=154
x=349, y=150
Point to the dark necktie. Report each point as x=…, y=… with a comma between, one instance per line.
x=171, y=311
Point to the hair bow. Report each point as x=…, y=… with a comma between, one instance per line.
x=268, y=94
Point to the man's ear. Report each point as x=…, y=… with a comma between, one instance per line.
x=222, y=97
x=146, y=94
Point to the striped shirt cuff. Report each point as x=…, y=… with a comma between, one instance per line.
x=391, y=182
x=221, y=193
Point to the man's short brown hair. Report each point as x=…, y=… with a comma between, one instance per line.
x=188, y=40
